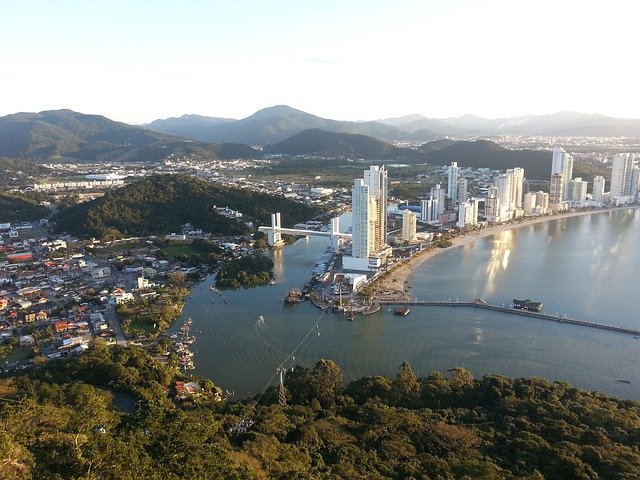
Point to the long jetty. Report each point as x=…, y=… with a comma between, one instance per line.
x=514, y=311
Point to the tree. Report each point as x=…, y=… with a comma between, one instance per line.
x=405, y=389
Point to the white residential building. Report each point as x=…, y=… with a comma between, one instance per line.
x=369, y=211
x=468, y=213
x=598, y=189
x=409, y=226
x=452, y=182
x=562, y=163
x=621, y=173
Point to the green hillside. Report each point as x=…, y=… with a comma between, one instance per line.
x=161, y=204
x=324, y=143
x=65, y=133
x=16, y=208
x=104, y=415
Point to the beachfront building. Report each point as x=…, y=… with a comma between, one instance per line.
x=463, y=183
x=452, y=183
x=492, y=205
x=598, y=190
x=432, y=208
x=562, y=163
x=409, y=219
x=577, y=191
x=468, y=213
x=556, y=192
x=529, y=204
x=369, y=212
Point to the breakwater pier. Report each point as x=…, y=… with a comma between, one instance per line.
x=478, y=303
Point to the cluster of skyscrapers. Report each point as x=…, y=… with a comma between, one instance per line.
x=506, y=199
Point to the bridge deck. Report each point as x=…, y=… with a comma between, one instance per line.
x=524, y=313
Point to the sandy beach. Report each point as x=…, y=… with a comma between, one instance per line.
x=395, y=280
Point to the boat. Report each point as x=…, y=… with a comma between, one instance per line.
x=623, y=380
x=272, y=282
x=404, y=311
x=527, y=305
x=212, y=301
x=173, y=335
x=293, y=296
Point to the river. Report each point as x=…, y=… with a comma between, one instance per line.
x=585, y=267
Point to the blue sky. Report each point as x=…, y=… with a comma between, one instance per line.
x=139, y=60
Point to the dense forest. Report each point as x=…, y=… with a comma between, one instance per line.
x=18, y=208
x=161, y=204
x=105, y=415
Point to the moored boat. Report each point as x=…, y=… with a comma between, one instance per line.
x=527, y=305
x=404, y=311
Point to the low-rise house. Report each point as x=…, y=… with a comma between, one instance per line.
x=186, y=389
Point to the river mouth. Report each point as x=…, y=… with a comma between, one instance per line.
x=582, y=266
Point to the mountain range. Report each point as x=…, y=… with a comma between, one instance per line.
x=274, y=124
x=65, y=134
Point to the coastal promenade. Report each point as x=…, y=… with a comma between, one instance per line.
x=525, y=313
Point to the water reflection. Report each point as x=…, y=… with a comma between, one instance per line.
x=499, y=258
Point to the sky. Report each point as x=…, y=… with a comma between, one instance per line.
x=138, y=60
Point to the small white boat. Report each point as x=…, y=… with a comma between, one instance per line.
x=260, y=319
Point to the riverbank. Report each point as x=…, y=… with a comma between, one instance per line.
x=394, y=284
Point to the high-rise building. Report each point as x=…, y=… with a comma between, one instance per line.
x=635, y=181
x=369, y=213
x=468, y=213
x=408, y=226
x=621, y=173
x=517, y=183
x=492, y=205
x=598, y=189
x=438, y=194
x=529, y=204
x=452, y=182
x=542, y=202
x=577, y=190
x=562, y=163
x=556, y=192
x=462, y=190
x=503, y=182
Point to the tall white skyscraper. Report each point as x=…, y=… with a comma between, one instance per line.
x=562, y=163
x=369, y=213
x=468, y=213
x=635, y=181
x=408, y=226
x=492, y=205
x=452, y=182
x=462, y=190
x=598, y=189
x=556, y=191
x=577, y=190
x=438, y=194
x=503, y=182
x=517, y=183
x=622, y=173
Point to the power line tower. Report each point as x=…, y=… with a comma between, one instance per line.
x=282, y=397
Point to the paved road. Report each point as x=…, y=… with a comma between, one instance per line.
x=110, y=316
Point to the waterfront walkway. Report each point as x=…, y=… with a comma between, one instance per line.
x=542, y=316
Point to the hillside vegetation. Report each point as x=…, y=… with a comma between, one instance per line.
x=68, y=134
x=59, y=422
x=324, y=143
x=17, y=208
x=161, y=204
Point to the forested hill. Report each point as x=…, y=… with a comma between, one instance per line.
x=161, y=204
x=61, y=421
x=75, y=136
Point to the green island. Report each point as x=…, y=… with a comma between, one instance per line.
x=245, y=272
x=115, y=413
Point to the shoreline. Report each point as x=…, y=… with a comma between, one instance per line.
x=399, y=276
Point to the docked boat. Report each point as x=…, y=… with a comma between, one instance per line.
x=272, y=282
x=293, y=296
x=527, y=305
x=404, y=311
